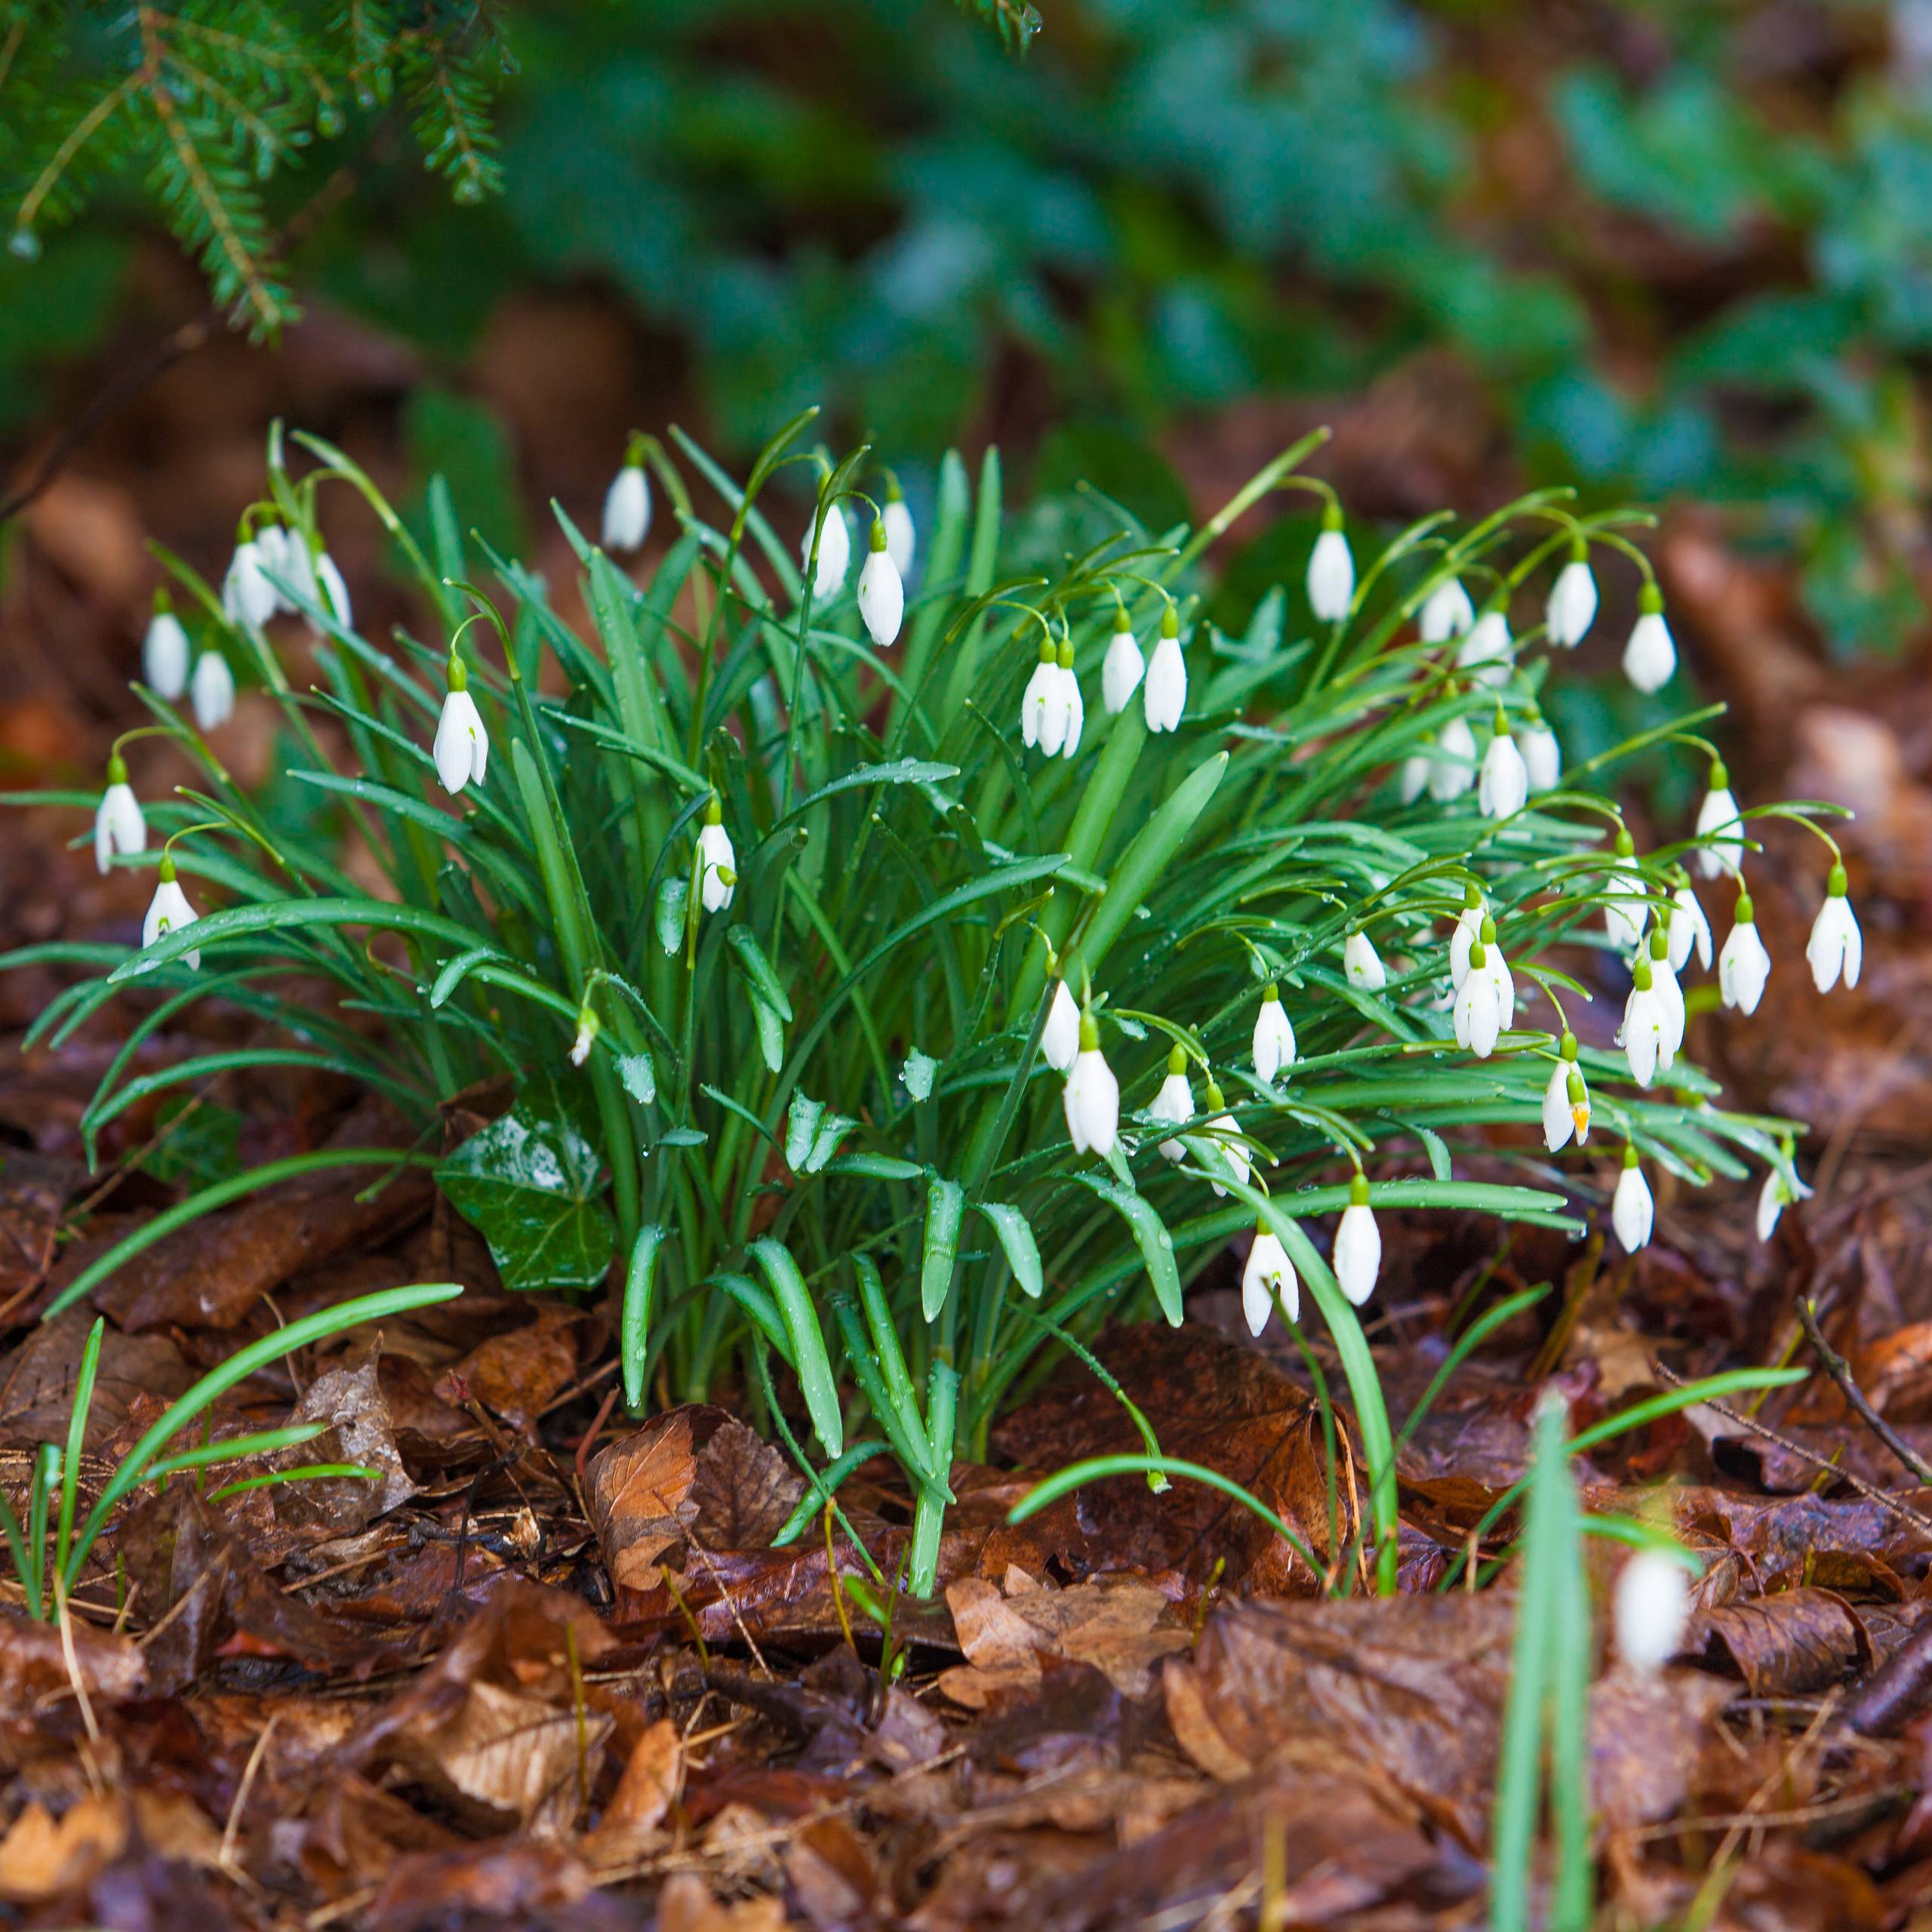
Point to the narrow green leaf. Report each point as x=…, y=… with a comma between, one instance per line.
x=639, y=1276
x=809, y=1359
x=946, y=1207
x=1016, y=1236
x=1150, y=1233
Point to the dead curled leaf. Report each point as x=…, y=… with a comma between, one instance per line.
x=33, y=1666
x=1797, y=1641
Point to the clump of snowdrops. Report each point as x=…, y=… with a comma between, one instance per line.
x=897, y=971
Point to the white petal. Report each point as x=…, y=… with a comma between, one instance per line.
x=1557, y=1124
x=1454, y=768
x=334, y=592
x=1743, y=967
x=1041, y=687
x=901, y=542
x=1332, y=576
x=1632, y=1212
x=1122, y=672
x=627, y=508
x=1504, y=789
x=164, y=656
x=835, y=554
x=1268, y=1277
x=1076, y=713
x=1093, y=1104
x=1274, y=1040
x=1573, y=605
x=460, y=744
x=1163, y=695
x=1653, y=1609
x=1488, y=651
x=1362, y=964
x=1770, y=1204
x=1448, y=613
x=716, y=858
x=212, y=690
x=1060, y=1039
x=882, y=597
x=1357, y=1252
x=1542, y=759
x=1649, y=657
x=1174, y=1104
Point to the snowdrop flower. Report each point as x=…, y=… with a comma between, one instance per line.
x=1274, y=1036
x=1331, y=570
x=901, y=542
x=718, y=863
x=165, y=651
x=1718, y=814
x=1092, y=1097
x=1358, y=1255
x=1163, y=695
x=1469, y=930
x=1653, y=1608
x=1042, y=691
x=1649, y=657
x=834, y=553
x=1123, y=669
x=247, y=595
x=1623, y=912
x=276, y=556
x=627, y=502
x=1487, y=650
x=1477, y=1020
x=118, y=823
x=211, y=690
x=168, y=910
x=1059, y=1039
x=1454, y=769
x=331, y=592
x=1566, y=1100
x=462, y=747
x=1632, y=1212
x=1072, y=703
x=1572, y=608
x=1174, y=1102
x=1543, y=756
x=1743, y=966
x=587, y=1025
x=1361, y=965
x=296, y=567
x=1269, y=1277
x=1493, y=964
x=1663, y=977
x=881, y=594
x=1836, y=945
x=1222, y=1130
x=1782, y=1188
x=1689, y=928
x=1417, y=769
x=1645, y=1031
x=1503, y=788
x=1448, y=613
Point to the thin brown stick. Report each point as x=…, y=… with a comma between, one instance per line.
x=1839, y=1369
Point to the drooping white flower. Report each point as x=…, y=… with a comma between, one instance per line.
x=297, y=568
x=168, y=910
x=1649, y=657
x=1060, y=1040
x=881, y=594
x=1719, y=826
x=717, y=863
x=1071, y=703
x=1331, y=570
x=1645, y=1025
x=1092, y=1097
x=1632, y=1212
x=1269, y=1277
x=1488, y=652
x=1566, y=1100
x=1670, y=997
x=247, y=595
x=587, y=1025
x=1477, y=1020
x=211, y=690
x=1222, y=1130
x=119, y=825
x=901, y=541
x=332, y=592
x=1054, y=714
x=834, y=553
x=1836, y=945
x=1358, y=1256
x=1469, y=930
x=1274, y=1036
x=1542, y=755
x=1781, y=1188
x=1743, y=966
x=1502, y=788
x=1164, y=693
x=462, y=747
x=1493, y=964
x=165, y=651
x=1174, y=1102
x=1572, y=607
x=1653, y=1609
x=1361, y=965
x=1042, y=690
x=276, y=557
x=1452, y=770
x=1448, y=612
x=1416, y=768
x=1624, y=913
x=1124, y=668
x=1689, y=928
x=627, y=504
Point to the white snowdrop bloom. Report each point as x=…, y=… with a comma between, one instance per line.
x=1274, y=1036
x=332, y=592
x=1092, y=1097
x=1446, y=613
x=247, y=595
x=168, y=910
x=881, y=594
x=119, y=825
x=462, y=747
x=1743, y=966
x=1358, y=1255
x=1645, y=1025
x=1488, y=651
x=1221, y=1129
x=211, y=690
x=1452, y=770
x=1689, y=929
x=834, y=553
x=1542, y=755
x=1778, y=1193
x=1164, y=693
x=1649, y=657
x=1071, y=703
x=1566, y=1100
x=1493, y=964
x=1361, y=965
x=1060, y=1040
x=1469, y=930
x=1174, y=1102
x=1624, y=912
x=1477, y=1020
x=587, y=1026
x=1416, y=769
x=1331, y=570
x=1124, y=668
x=275, y=557
x=1653, y=1609
x=1503, y=788
x=165, y=651
x=718, y=863
x=1572, y=608
x=901, y=541
x=1669, y=997
x=297, y=569
x=1269, y=1277
x=1836, y=945
x=627, y=506
x=1632, y=1212
x=1719, y=825
x=1055, y=715
x=1042, y=691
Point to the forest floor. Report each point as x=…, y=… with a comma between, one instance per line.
x=550, y=1670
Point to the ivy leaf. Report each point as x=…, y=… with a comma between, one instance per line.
x=529, y=1184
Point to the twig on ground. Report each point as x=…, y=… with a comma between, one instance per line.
x=1839, y=1369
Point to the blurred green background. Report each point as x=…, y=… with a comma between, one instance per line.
x=1674, y=249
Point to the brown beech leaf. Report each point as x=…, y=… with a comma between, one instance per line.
x=519, y=1373
x=33, y=1665
x=37, y=1382
x=533, y=1887
x=43, y=1857
x=1798, y=1640
x=640, y=1496
x=34, y=1187
x=1119, y=1625
x=348, y=1400
x=686, y=1905
x=646, y=1790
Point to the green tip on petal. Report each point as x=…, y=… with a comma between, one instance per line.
x=1176, y=1061
x=1215, y=1102
x=1629, y=1153
x=1567, y=1045
x=163, y=599
x=117, y=769
x=1358, y=1190
x=1580, y=1094
x=1625, y=846
x=1271, y=991
x=1261, y=1227
x=1170, y=622
x=878, y=534
x=713, y=812
x=1746, y=913
x=1835, y=886
x=164, y=871
x=1331, y=515
x=1650, y=599
x=1049, y=650
x=1066, y=653
x=1089, y=1034
x=1478, y=959
x=894, y=494
x=1499, y=724
x=1471, y=899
